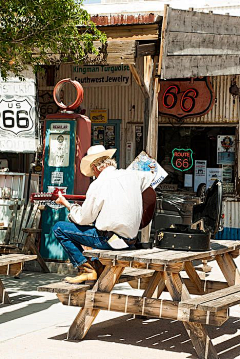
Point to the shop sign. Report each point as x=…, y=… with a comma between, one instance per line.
x=19, y=130
x=226, y=150
x=184, y=98
x=101, y=75
x=182, y=159
x=98, y=116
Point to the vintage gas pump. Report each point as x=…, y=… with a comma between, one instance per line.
x=67, y=138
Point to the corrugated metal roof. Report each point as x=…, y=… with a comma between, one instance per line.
x=123, y=19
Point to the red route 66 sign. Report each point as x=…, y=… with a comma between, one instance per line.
x=182, y=159
x=183, y=98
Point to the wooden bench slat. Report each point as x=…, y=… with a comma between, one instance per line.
x=8, y=246
x=67, y=288
x=215, y=300
x=221, y=303
x=64, y=288
x=130, y=274
x=15, y=258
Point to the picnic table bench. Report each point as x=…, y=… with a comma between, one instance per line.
x=157, y=270
x=11, y=264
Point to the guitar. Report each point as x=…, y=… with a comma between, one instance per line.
x=148, y=197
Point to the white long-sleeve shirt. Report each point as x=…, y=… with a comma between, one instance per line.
x=114, y=201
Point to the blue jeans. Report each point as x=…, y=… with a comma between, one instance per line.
x=71, y=236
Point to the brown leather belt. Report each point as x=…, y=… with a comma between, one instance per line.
x=109, y=234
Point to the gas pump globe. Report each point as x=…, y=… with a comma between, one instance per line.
x=67, y=137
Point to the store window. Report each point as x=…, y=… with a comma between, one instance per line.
x=213, y=155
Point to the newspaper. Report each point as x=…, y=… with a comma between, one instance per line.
x=117, y=242
x=145, y=163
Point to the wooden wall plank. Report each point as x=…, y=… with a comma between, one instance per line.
x=115, y=52
x=206, y=23
x=194, y=66
x=140, y=32
x=202, y=44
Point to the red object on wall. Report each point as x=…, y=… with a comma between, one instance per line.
x=184, y=98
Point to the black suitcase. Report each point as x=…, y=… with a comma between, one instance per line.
x=185, y=238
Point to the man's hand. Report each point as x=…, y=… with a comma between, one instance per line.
x=62, y=200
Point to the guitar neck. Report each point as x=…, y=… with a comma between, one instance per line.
x=75, y=197
x=44, y=196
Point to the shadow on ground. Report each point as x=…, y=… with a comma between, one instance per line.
x=24, y=290
x=29, y=282
x=161, y=334
x=27, y=310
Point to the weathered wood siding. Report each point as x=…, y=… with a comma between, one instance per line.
x=200, y=44
x=115, y=52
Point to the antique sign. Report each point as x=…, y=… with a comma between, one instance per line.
x=98, y=116
x=182, y=159
x=19, y=122
x=226, y=150
x=183, y=98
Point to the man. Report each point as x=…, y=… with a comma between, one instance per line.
x=112, y=210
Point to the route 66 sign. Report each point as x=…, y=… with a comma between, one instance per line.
x=15, y=115
x=182, y=159
x=184, y=98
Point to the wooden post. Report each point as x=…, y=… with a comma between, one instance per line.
x=229, y=268
x=196, y=331
x=152, y=135
x=86, y=316
x=237, y=182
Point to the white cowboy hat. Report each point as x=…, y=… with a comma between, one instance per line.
x=93, y=153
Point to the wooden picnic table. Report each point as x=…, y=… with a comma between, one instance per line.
x=11, y=265
x=157, y=270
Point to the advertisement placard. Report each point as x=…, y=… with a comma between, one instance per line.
x=212, y=175
x=98, y=116
x=200, y=173
x=226, y=150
